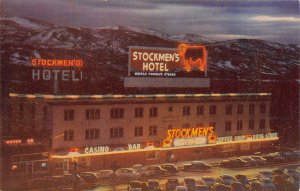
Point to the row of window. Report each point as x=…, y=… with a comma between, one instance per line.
x=118, y=113
x=239, y=125
x=152, y=130
x=114, y=133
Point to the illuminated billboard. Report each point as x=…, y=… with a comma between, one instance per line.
x=184, y=61
x=181, y=67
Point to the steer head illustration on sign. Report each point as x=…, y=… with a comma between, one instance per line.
x=192, y=57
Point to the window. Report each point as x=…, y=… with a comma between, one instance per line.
x=170, y=126
x=116, y=113
x=138, y=131
x=92, y=114
x=228, y=109
x=186, y=125
x=186, y=110
x=170, y=109
x=239, y=125
x=262, y=124
x=117, y=132
x=139, y=112
x=212, y=110
x=45, y=113
x=228, y=126
x=251, y=124
x=92, y=134
x=262, y=108
x=240, y=109
x=251, y=109
x=200, y=109
x=152, y=130
x=153, y=112
x=69, y=115
x=69, y=135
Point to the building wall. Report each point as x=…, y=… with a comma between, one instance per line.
x=163, y=121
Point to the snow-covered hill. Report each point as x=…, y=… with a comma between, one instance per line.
x=105, y=50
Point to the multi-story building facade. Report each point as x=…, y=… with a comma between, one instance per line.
x=97, y=130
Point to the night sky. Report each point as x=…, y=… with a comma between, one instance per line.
x=268, y=20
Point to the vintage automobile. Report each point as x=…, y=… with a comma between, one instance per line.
x=196, y=166
x=171, y=184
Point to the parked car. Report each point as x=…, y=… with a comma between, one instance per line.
x=260, y=161
x=220, y=187
x=105, y=174
x=264, y=174
x=137, y=167
x=197, y=166
x=127, y=173
x=274, y=158
x=278, y=171
x=250, y=161
x=237, y=186
x=135, y=186
x=293, y=173
x=170, y=168
x=181, y=188
x=70, y=178
x=267, y=184
x=256, y=186
x=234, y=163
x=202, y=188
x=208, y=180
x=190, y=183
x=226, y=179
x=154, y=185
x=89, y=177
x=283, y=183
x=153, y=170
x=171, y=184
x=243, y=179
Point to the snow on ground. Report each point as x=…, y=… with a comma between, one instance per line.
x=25, y=23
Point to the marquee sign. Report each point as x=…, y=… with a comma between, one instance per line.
x=167, y=62
x=189, y=136
x=52, y=69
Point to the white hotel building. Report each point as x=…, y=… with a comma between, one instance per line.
x=97, y=130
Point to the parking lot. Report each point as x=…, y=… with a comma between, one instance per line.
x=275, y=165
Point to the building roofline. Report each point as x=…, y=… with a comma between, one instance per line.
x=133, y=96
